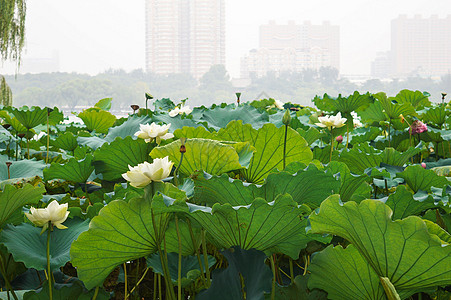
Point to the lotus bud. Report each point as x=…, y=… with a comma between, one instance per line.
x=286, y=119
x=339, y=139
x=423, y=165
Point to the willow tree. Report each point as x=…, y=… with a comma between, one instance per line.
x=12, y=39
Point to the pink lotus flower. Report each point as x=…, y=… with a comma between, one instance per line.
x=418, y=127
x=339, y=139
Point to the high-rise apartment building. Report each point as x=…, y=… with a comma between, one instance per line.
x=293, y=47
x=184, y=36
x=421, y=46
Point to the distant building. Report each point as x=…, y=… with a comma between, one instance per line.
x=421, y=46
x=293, y=47
x=184, y=36
x=381, y=66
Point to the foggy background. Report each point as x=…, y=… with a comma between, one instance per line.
x=78, y=52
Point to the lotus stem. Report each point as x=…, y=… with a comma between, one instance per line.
x=204, y=250
x=125, y=282
x=139, y=281
x=155, y=280
x=49, y=270
x=347, y=134
x=7, y=283
x=28, y=144
x=96, y=292
x=17, y=147
x=179, y=278
x=197, y=252
x=389, y=126
x=160, y=294
x=48, y=139
x=331, y=146
x=291, y=270
x=164, y=260
x=273, y=268
x=285, y=146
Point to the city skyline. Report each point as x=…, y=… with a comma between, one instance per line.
x=93, y=36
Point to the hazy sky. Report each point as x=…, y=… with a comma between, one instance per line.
x=95, y=35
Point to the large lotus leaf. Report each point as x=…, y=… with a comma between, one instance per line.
x=112, y=160
x=297, y=290
x=363, y=134
x=104, y=104
x=74, y=170
x=219, y=117
x=435, y=115
x=172, y=241
x=269, y=142
x=121, y=232
x=21, y=168
x=310, y=135
x=364, y=156
x=66, y=141
x=416, y=98
x=393, y=109
x=344, y=274
x=164, y=104
x=223, y=190
x=98, y=120
x=194, y=132
x=13, y=121
x=345, y=105
x=353, y=187
x=418, y=178
x=92, y=142
x=30, y=247
x=271, y=227
x=176, y=122
x=374, y=113
x=12, y=198
x=30, y=117
x=404, y=251
x=190, y=269
x=210, y=156
x=128, y=128
x=246, y=277
x=404, y=204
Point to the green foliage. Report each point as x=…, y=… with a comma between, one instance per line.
x=74, y=170
x=97, y=120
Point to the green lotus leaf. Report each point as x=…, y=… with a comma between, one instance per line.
x=194, y=132
x=172, y=241
x=176, y=122
x=435, y=115
x=434, y=228
x=274, y=227
x=104, y=104
x=310, y=135
x=74, y=170
x=297, y=290
x=418, y=178
x=128, y=128
x=218, y=117
x=364, y=156
x=393, y=109
x=403, y=203
x=269, y=142
x=112, y=160
x=164, y=104
x=55, y=116
x=344, y=274
x=27, y=245
x=92, y=142
x=190, y=267
x=416, y=98
x=224, y=190
x=210, y=156
x=353, y=187
x=374, y=113
x=97, y=120
x=66, y=141
x=21, y=169
x=246, y=277
x=345, y=105
x=404, y=251
x=30, y=117
x=12, y=199
x=121, y=232
x=435, y=216
x=15, y=123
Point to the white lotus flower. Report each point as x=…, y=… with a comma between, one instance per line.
x=357, y=123
x=143, y=174
x=54, y=212
x=279, y=104
x=331, y=121
x=179, y=111
x=154, y=131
